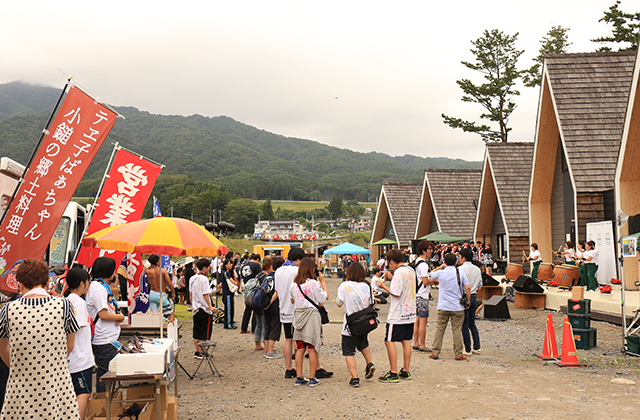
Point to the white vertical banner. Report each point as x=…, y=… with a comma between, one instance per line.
x=602, y=234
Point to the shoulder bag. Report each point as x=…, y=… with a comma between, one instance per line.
x=363, y=321
x=463, y=296
x=232, y=286
x=324, y=315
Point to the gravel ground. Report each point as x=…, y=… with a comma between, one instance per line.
x=506, y=381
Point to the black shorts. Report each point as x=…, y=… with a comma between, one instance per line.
x=399, y=332
x=202, y=324
x=82, y=381
x=352, y=342
x=272, y=328
x=288, y=330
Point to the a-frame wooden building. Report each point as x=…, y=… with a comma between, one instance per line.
x=448, y=202
x=396, y=215
x=503, y=217
x=581, y=110
x=628, y=173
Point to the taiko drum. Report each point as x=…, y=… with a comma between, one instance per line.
x=514, y=271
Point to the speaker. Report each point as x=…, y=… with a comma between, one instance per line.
x=527, y=284
x=496, y=307
x=487, y=280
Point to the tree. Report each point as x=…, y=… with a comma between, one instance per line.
x=496, y=58
x=335, y=206
x=243, y=213
x=267, y=210
x=625, y=28
x=556, y=42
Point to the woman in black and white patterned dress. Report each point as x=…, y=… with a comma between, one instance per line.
x=40, y=331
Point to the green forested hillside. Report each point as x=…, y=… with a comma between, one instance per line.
x=248, y=161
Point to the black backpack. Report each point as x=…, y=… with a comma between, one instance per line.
x=414, y=265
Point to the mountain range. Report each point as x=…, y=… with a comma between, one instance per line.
x=249, y=162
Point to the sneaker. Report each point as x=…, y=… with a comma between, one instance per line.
x=323, y=374
x=474, y=351
x=314, y=382
x=369, y=371
x=289, y=373
x=389, y=377
x=273, y=355
x=198, y=355
x=404, y=375
x=302, y=381
x=466, y=353
x=354, y=382
x=244, y=332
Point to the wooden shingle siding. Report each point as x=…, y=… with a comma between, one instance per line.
x=511, y=165
x=453, y=192
x=404, y=202
x=591, y=91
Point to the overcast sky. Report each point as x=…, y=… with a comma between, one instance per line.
x=363, y=75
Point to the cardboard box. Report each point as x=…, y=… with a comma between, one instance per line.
x=577, y=292
x=146, y=320
x=147, y=391
x=97, y=404
x=140, y=364
x=172, y=409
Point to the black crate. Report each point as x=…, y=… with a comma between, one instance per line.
x=585, y=338
x=580, y=321
x=582, y=306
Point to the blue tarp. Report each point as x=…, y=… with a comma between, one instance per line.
x=348, y=249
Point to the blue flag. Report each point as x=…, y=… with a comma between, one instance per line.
x=164, y=259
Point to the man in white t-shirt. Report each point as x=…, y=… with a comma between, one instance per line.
x=201, y=307
x=402, y=315
x=449, y=306
x=423, y=288
x=469, y=329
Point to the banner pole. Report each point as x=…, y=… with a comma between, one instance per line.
x=45, y=131
x=116, y=147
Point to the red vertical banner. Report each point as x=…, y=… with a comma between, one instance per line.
x=124, y=195
x=76, y=133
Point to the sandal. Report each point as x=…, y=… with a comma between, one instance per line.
x=258, y=348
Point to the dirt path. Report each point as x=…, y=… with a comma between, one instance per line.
x=504, y=382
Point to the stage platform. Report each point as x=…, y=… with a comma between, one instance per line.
x=604, y=307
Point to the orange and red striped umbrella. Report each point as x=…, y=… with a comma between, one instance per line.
x=160, y=235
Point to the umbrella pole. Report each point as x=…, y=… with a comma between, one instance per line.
x=95, y=201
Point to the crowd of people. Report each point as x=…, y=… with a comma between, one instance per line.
x=76, y=336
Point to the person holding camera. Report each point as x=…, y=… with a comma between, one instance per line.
x=453, y=298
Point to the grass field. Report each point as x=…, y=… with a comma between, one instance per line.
x=304, y=205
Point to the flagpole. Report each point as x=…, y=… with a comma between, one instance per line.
x=142, y=157
x=116, y=147
x=45, y=131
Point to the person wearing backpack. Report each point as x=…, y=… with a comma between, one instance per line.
x=272, y=324
x=249, y=270
x=423, y=288
x=355, y=294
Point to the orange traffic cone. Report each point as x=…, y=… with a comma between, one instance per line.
x=550, y=347
x=569, y=354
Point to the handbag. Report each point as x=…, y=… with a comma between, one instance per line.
x=363, y=321
x=232, y=286
x=324, y=315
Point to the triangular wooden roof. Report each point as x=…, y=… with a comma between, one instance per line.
x=590, y=93
x=403, y=200
x=454, y=194
x=510, y=165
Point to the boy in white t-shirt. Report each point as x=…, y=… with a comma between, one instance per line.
x=402, y=315
x=423, y=288
x=202, y=309
x=81, y=359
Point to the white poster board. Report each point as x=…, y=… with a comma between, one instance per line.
x=602, y=234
